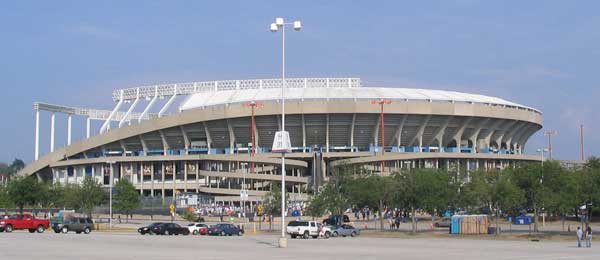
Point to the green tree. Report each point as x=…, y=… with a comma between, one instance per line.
x=23, y=191
x=272, y=202
x=374, y=191
x=126, y=198
x=5, y=201
x=528, y=178
x=16, y=166
x=84, y=197
x=426, y=189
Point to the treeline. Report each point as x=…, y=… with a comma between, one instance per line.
x=21, y=192
x=529, y=187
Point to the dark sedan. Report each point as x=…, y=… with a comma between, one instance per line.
x=225, y=230
x=148, y=229
x=170, y=229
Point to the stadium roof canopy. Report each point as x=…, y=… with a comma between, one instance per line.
x=216, y=98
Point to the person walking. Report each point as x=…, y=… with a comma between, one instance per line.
x=588, y=237
x=579, y=236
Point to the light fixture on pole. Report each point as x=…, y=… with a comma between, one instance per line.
x=382, y=102
x=282, y=143
x=550, y=133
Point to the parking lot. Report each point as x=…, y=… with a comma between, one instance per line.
x=23, y=245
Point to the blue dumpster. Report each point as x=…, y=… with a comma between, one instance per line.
x=523, y=220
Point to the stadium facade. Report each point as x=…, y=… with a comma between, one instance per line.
x=200, y=138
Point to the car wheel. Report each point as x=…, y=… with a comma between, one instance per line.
x=31, y=230
x=353, y=234
x=65, y=230
x=306, y=235
x=335, y=233
x=8, y=229
x=327, y=234
x=56, y=231
x=87, y=230
x=195, y=233
x=40, y=229
x=240, y=233
x=293, y=236
x=169, y=233
x=222, y=233
x=77, y=232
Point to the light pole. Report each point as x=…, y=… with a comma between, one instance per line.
x=110, y=192
x=382, y=102
x=282, y=138
x=541, y=151
x=550, y=133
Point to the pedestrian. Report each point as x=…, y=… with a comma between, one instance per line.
x=397, y=222
x=588, y=237
x=579, y=236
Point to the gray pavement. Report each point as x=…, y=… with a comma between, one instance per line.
x=49, y=246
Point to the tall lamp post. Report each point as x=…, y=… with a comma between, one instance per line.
x=382, y=102
x=541, y=151
x=282, y=142
x=110, y=192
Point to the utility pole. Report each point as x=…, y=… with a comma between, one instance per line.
x=550, y=133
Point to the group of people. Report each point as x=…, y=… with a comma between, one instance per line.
x=584, y=235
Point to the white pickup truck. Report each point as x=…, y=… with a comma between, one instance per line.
x=306, y=229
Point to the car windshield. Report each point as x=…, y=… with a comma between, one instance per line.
x=191, y=225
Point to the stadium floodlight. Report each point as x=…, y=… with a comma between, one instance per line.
x=297, y=25
x=282, y=142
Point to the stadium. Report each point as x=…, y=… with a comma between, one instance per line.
x=214, y=138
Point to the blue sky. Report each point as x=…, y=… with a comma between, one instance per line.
x=543, y=54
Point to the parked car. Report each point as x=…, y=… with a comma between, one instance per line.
x=443, y=222
x=345, y=230
x=148, y=229
x=335, y=220
x=170, y=229
x=225, y=229
x=198, y=228
x=24, y=221
x=304, y=229
x=77, y=224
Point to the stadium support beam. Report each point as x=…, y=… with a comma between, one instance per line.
x=515, y=134
x=439, y=133
x=499, y=134
x=398, y=134
x=169, y=102
x=144, y=145
x=69, y=118
x=352, y=132
x=52, y=119
x=149, y=106
x=457, y=137
x=123, y=147
x=487, y=137
x=164, y=141
x=523, y=138
x=303, y=135
x=419, y=135
x=88, y=125
x=375, y=136
x=128, y=113
x=186, y=140
x=327, y=133
x=231, y=137
x=37, y=134
x=106, y=124
x=208, y=138
x=473, y=137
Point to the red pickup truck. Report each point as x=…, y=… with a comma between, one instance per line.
x=23, y=221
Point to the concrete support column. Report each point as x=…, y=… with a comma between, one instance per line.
x=52, y=121
x=37, y=134
x=69, y=129
x=88, y=123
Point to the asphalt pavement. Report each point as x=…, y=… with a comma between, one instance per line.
x=99, y=245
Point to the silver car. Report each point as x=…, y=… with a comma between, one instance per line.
x=344, y=230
